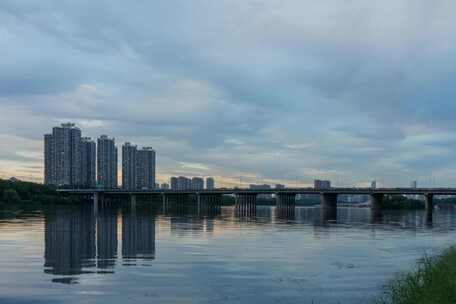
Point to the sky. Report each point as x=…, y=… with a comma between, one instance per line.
x=246, y=91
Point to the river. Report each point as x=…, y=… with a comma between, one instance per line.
x=181, y=254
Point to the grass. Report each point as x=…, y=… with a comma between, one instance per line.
x=432, y=282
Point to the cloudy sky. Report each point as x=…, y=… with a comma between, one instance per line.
x=272, y=91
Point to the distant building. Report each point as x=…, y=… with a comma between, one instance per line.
x=62, y=156
x=184, y=183
x=374, y=184
x=129, y=165
x=414, y=185
x=322, y=184
x=49, y=160
x=210, y=183
x=279, y=186
x=88, y=162
x=164, y=186
x=259, y=187
x=138, y=167
x=197, y=183
x=174, y=183
x=145, y=168
x=106, y=162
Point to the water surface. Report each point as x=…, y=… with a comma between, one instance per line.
x=144, y=253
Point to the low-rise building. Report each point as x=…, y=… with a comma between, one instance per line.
x=322, y=184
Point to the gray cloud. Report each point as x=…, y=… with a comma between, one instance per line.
x=352, y=90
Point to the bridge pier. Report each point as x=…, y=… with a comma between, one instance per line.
x=164, y=201
x=328, y=206
x=97, y=199
x=328, y=200
x=285, y=199
x=208, y=203
x=429, y=207
x=245, y=203
x=133, y=201
x=429, y=201
x=376, y=201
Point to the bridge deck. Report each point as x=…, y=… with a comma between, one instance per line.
x=391, y=191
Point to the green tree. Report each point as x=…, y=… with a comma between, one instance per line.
x=10, y=196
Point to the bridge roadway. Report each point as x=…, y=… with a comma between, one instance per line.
x=246, y=198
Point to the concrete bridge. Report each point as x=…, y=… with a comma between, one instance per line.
x=246, y=198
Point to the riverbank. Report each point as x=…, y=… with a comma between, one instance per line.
x=19, y=192
x=432, y=282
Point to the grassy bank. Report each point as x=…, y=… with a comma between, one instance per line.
x=432, y=282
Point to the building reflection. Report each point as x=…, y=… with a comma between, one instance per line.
x=138, y=232
x=69, y=241
x=107, y=235
x=80, y=240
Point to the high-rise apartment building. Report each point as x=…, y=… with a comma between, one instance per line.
x=197, y=183
x=374, y=184
x=210, y=184
x=184, y=183
x=88, y=162
x=106, y=162
x=129, y=165
x=145, y=169
x=138, y=167
x=62, y=156
x=49, y=170
x=173, y=183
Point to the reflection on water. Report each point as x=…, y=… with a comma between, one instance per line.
x=182, y=250
x=106, y=218
x=79, y=239
x=138, y=232
x=69, y=241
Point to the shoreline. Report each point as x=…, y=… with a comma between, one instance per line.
x=432, y=281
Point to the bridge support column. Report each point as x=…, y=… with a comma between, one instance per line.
x=429, y=207
x=328, y=206
x=245, y=203
x=429, y=201
x=164, y=201
x=133, y=201
x=328, y=200
x=97, y=199
x=285, y=199
x=209, y=203
x=376, y=201
x=285, y=206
